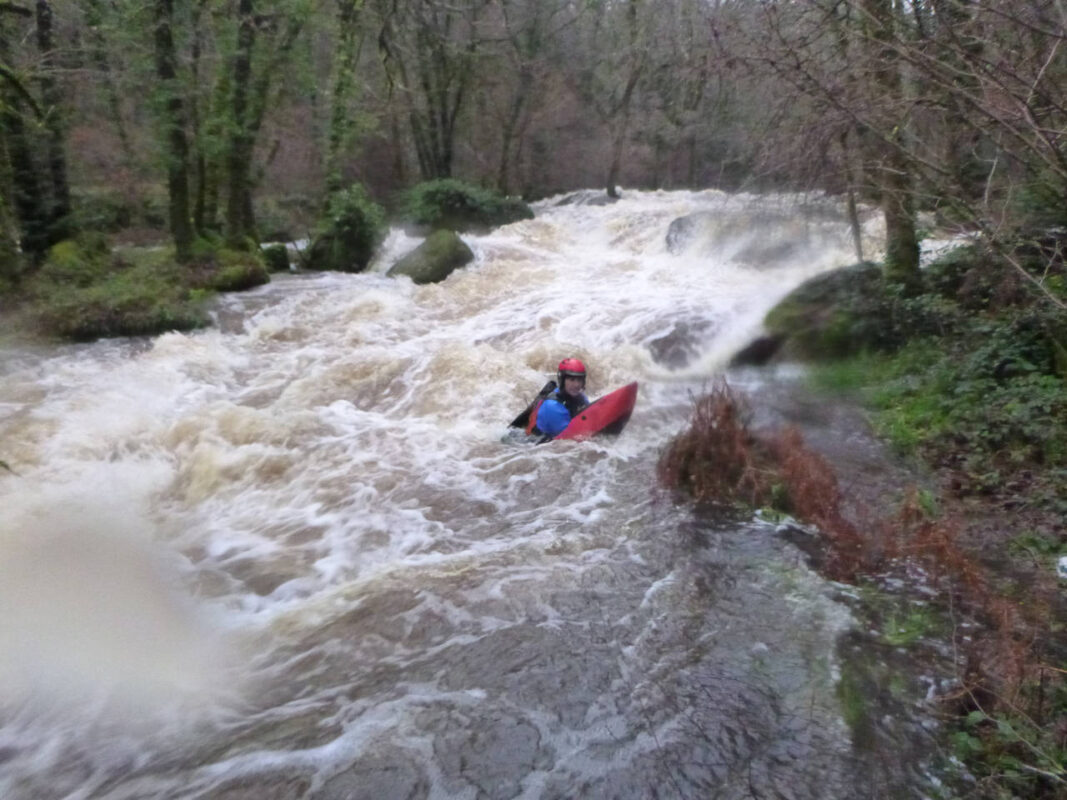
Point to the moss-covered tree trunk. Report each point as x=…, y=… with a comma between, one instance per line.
x=240, y=221
x=177, y=147
x=55, y=137
x=54, y=122
x=9, y=243
x=892, y=165
x=252, y=79
x=27, y=192
x=351, y=40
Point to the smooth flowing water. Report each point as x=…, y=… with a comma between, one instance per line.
x=291, y=556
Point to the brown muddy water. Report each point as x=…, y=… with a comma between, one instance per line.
x=294, y=557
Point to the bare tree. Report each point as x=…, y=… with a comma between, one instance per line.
x=429, y=50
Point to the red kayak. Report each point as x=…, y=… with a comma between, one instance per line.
x=609, y=414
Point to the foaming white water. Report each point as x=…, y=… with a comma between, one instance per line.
x=326, y=473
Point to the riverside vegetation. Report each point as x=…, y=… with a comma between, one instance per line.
x=966, y=378
x=86, y=288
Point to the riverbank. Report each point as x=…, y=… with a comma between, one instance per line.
x=925, y=441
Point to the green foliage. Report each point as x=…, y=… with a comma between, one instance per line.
x=454, y=205
x=103, y=209
x=1011, y=751
x=1037, y=546
x=968, y=377
x=852, y=694
x=276, y=258
x=78, y=262
x=1041, y=202
x=353, y=228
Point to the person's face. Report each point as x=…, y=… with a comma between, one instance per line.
x=573, y=386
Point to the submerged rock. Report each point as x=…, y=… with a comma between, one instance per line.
x=681, y=231
x=435, y=259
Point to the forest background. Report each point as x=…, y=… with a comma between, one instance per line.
x=242, y=117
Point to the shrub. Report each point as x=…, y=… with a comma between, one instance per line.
x=353, y=228
x=452, y=204
x=714, y=458
x=78, y=262
x=276, y=258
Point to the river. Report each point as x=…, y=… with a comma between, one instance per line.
x=291, y=556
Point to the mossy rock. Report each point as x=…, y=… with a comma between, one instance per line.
x=226, y=270
x=449, y=204
x=349, y=234
x=130, y=300
x=435, y=259
x=833, y=315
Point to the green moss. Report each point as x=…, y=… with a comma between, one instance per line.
x=435, y=259
x=852, y=694
x=78, y=262
x=907, y=628
x=84, y=291
x=130, y=301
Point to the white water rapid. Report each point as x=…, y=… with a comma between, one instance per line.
x=291, y=556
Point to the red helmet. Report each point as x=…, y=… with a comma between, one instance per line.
x=570, y=368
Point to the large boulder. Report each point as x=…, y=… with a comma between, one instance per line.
x=681, y=231
x=833, y=315
x=435, y=259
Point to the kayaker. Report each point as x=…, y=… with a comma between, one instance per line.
x=556, y=411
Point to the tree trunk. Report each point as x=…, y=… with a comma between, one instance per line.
x=622, y=129
x=249, y=106
x=894, y=175
x=55, y=150
x=853, y=211
x=10, y=267
x=239, y=149
x=181, y=227
x=511, y=125
x=958, y=52
x=28, y=197
x=340, y=126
